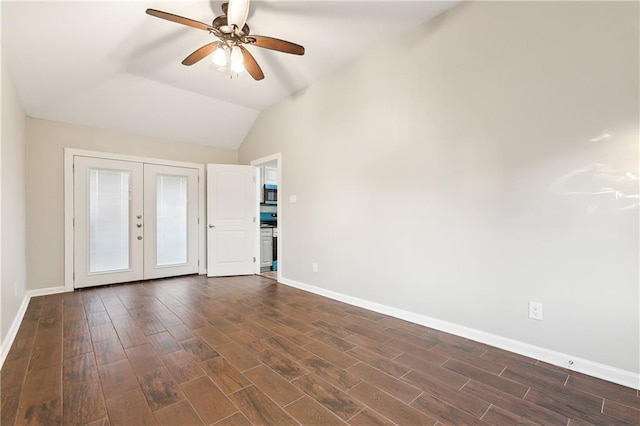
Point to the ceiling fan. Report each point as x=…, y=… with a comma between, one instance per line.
x=233, y=32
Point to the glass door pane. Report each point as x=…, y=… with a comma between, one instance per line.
x=171, y=220
x=109, y=232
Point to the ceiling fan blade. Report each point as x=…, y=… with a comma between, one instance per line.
x=179, y=19
x=237, y=13
x=225, y=8
x=277, y=44
x=251, y=65
x=201, y=53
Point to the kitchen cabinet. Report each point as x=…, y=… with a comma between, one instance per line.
x=266, y=249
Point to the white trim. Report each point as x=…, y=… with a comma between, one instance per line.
x=45, y=291
x=17, y=320
x=202, y=217
x=69, y=153
x=134, y=158
x=13, y=330
x=68, y=218
x=257, y=162
x=581, y=365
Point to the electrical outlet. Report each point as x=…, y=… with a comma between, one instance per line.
x=314, y=266
x=535, y=311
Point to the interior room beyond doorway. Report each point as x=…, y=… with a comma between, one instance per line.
x=268, y=206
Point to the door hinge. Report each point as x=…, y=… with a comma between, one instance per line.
x=74, y=221
x=198, y=262
x=74, y=275
x=254, y=219
x=198, y=221
x=254, y=260
x=73, y=167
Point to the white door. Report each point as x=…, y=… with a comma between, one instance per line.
x=171, y=221
x=231, y=220
x=133, y=221
x=107, y=203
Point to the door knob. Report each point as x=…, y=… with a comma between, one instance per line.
x=212, y=226
x=139, y=237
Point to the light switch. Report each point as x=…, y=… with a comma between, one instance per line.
x=293, y=199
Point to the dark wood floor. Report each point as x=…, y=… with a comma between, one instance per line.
x=246, y=350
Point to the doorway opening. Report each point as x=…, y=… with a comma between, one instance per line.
x=269, y=207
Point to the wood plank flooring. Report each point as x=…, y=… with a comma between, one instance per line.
x=249, y=351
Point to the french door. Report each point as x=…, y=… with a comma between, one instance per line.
x=171, y=225
x=133, y=221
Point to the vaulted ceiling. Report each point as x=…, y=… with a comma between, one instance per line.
x=109, y=65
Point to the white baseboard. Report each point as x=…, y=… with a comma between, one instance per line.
x=570, y=362
x=45, y=291
x=13, y=330
x=15, y=325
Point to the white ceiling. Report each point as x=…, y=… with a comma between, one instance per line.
x=107, y=64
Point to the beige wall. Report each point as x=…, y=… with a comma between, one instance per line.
x=46, y=141
x=485, y=160
x=12, y=193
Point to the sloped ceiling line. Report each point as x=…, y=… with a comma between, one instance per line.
x=109, y=65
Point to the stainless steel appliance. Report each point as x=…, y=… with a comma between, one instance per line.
x=271, y=194
x=268, y=227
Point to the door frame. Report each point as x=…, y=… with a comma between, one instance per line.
x=257, y=163
x=69, y=153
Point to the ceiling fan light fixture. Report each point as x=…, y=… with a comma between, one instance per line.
x=236, y=59
x=220, y=56
x=236, y=54
x=229, y=54
x=237, y=67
